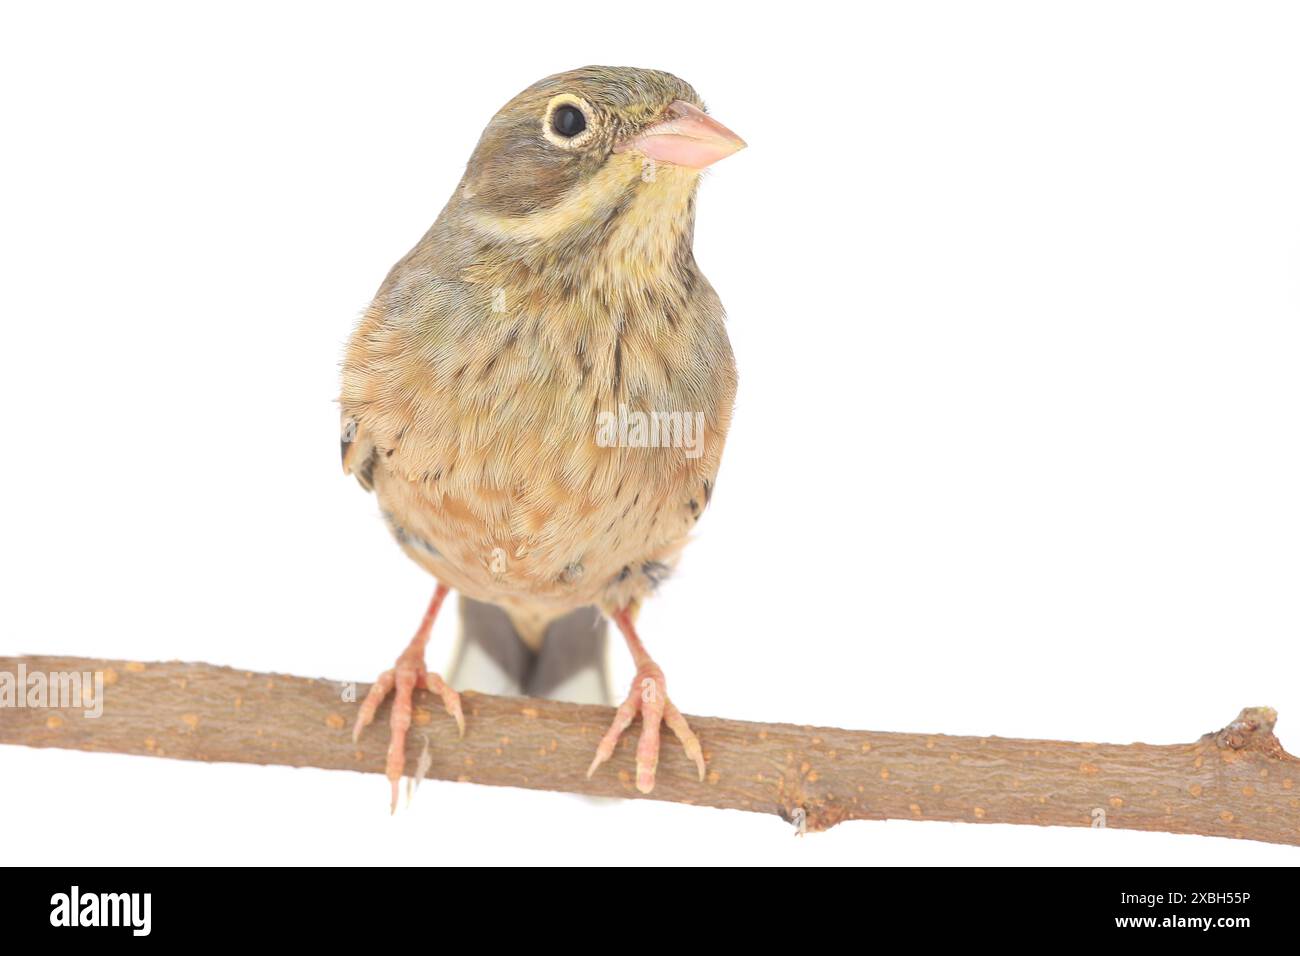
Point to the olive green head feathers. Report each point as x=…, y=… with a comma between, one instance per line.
x=572, y=152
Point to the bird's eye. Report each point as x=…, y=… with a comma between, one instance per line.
x=568, y=121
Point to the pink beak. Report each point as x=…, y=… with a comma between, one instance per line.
x=688, y=137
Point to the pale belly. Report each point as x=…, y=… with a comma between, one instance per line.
x=541, y=545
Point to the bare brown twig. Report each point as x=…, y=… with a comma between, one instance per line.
x=1236, y=782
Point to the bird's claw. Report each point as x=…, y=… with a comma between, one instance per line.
x=649, y=695
x=409, y=673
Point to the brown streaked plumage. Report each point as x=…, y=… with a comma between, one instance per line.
x=557, y=284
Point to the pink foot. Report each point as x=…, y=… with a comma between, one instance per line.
x=649, y=695
x=409, y=673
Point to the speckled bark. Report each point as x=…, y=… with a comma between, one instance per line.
x=1237, y=782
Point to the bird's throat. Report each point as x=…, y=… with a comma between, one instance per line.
x=610, y=268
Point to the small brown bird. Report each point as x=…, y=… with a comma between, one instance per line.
x=540, y=391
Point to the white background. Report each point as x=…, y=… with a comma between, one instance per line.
x=1013, y=291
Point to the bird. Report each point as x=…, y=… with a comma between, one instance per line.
x=540, y=391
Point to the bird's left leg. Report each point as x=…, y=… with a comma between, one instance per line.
x=649, y=695
x=409, y=673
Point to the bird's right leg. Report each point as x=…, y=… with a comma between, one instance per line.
x=407, y=674
x=649, y=697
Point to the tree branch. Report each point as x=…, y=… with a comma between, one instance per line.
x=1237, y=782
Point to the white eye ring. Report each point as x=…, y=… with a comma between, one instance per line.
x=568, y=142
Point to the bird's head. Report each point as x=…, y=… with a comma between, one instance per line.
x=583, y=154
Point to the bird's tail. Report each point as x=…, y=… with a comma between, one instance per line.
x=566, y=660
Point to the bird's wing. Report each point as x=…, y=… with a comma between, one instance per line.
x=358, y=452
